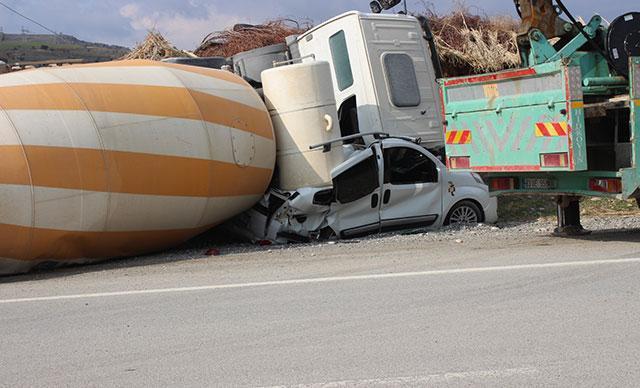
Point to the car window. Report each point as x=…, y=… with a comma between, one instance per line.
x=403, y=166
x=402, y=79
x=357, y=182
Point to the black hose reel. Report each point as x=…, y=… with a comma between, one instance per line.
x=623, y=40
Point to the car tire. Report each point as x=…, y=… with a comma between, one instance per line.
x=464, y=213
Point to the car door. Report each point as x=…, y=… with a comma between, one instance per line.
x=357, y=185
x=412, y=189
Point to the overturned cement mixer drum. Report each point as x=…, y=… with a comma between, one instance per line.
x=124, y=158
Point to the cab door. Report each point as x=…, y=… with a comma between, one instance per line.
x=404, y=78
x=357, y=186
x=412, y=189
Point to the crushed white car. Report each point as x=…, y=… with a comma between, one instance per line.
x=392, y=184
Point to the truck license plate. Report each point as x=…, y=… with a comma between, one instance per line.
x=538, y=184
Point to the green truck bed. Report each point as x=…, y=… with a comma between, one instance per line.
x=558, y=127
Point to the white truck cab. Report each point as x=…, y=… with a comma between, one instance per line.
x=383, y=74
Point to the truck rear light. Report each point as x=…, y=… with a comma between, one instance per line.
x=606, y=185
x=502, y=184
x=554, y=160
x=460, y=162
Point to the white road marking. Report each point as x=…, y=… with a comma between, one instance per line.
x=419, y=381
x=454, y=271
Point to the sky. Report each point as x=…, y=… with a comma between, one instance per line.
x=187, y=22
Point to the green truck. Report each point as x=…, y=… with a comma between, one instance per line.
x=566, y=123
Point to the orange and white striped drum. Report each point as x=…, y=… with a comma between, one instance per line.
x=124, y=158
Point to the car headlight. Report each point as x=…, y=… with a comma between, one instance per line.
x=477, y=178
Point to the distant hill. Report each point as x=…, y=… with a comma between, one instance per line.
x=29, y=48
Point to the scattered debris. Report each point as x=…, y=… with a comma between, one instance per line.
x=155, y=47
x=213, y=252
x=245, y=37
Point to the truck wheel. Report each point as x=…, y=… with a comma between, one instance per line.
x=464, y=213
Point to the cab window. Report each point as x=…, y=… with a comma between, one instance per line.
x=341, y=61
x=403, y=82
x=406, y=166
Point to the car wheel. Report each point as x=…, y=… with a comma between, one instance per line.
x=464, y=213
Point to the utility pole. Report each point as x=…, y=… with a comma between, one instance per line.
x=24, y=32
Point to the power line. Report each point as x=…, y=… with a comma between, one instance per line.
x=28, y=18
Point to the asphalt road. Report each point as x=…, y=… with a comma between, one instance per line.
x=397, y=312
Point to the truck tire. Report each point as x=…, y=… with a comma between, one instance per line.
x=464, y=213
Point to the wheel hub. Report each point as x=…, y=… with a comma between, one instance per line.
x=464, y=215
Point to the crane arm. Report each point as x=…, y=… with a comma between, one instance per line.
x=541, y=15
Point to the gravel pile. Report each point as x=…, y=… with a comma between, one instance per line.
x=501, y=231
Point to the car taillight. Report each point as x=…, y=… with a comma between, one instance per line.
x=554, y=160
x=460, y=162
x=502, y=184
x=606, y=185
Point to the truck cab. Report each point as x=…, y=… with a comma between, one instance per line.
x=383, y=74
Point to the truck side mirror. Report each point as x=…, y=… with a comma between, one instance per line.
x=378, y=6
x=388, y=4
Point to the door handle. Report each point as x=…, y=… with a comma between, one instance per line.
x=387, y=197
x=374, y=201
